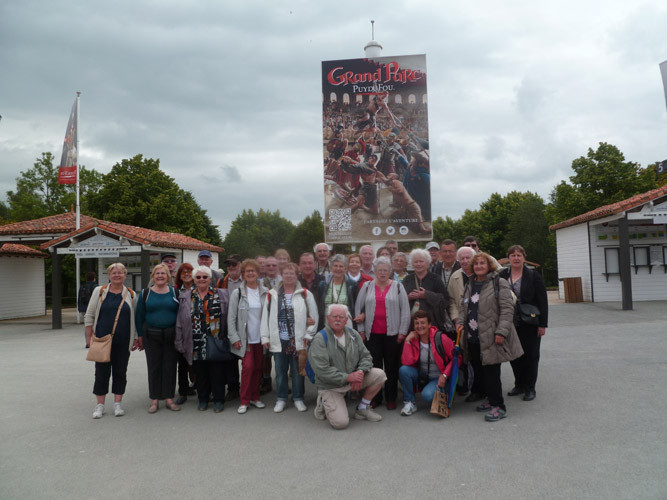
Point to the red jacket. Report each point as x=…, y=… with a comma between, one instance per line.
x=410, y=354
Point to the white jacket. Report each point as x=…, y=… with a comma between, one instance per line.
x=304, y=306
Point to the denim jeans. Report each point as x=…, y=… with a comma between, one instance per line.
x=409, y=377
x=283, y=362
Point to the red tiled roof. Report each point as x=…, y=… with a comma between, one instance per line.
x=613, y=208
x=140, y=235
x=61, y=223
x=16, y=250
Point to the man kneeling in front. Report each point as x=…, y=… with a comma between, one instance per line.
x=342, y=363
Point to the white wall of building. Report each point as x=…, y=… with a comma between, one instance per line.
x=28, y=299
x=645, y=285
x=572, y=254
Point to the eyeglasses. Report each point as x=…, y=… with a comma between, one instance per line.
x=202, y=277
x=471, y=245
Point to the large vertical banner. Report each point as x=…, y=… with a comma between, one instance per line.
x=377, y=182
x=67, y=171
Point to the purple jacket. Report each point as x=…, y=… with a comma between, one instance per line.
x=183, y=342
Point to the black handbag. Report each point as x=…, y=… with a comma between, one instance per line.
x=529, y=314
x=218, y=349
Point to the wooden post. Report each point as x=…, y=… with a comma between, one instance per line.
x=145, y=267
x=624, y=263
x=56, y=292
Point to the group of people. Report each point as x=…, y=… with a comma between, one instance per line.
x=358, y=325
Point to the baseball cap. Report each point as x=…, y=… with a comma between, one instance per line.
x=432, y=244
x=205, y=253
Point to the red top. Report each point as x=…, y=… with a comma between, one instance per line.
x=410, y=354
x=380, y=318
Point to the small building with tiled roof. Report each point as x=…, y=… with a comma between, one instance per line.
x=139, y=249
x=24, y=267
x=618, y=251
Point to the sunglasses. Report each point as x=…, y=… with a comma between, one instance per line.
x=471, y=245
x=202, y=278
x=169, y=261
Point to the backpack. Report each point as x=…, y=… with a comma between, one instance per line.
x=309, y=369
x=85, y=293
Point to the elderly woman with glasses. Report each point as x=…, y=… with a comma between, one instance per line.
x=425, y=289
x=383, y=313
x=244, y=323
x=202, y=313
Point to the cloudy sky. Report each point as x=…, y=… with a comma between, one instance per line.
x=228, y=95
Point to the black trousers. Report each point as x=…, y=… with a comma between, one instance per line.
x=232, y=373
x=385, y=351
x=525, y=367
x=117, y=367
x=475, y=361
x=494, y=387
x=210, y=378
x=183, y=380
x=161, y=359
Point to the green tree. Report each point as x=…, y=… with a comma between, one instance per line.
x=258, y=233
x=600, y=178
x=527, y=226
x=138, y=193
x=38, y=193
x=305, y=235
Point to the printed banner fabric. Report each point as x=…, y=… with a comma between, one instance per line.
x=68, y=162
x=377, y=182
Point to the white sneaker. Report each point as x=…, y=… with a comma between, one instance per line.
x=258, y=404
x=242, y=409
x=118, y=410
x=300, y=405
x=320, y=413
x=408, y=408
x=280, y=406
x=98, y=411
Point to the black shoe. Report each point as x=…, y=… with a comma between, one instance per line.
x=529, y=396
x=473, y=396
x=203, y=406
x=515, y=391
x=232, y=394
x=219, y=406
x=180, y=400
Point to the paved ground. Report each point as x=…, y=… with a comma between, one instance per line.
x=596, y=430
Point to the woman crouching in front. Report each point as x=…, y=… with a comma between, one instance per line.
x=423, y=366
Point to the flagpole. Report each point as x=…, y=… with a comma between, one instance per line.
x=78, y=160
x=78, y=206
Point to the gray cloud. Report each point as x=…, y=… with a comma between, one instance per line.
x=515, y=94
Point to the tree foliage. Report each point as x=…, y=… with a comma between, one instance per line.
x=38, y=193
x=306, y=235
x=257, y=233
x=600, y=178
x=138, y=193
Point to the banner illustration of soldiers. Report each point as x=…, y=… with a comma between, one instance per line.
x=377, y=182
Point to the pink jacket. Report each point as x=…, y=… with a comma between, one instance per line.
x=410, y=354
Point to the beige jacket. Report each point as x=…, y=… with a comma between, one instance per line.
x=495, y=316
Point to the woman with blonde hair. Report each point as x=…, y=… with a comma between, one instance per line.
x=157, y=307
x=111, y=311
x=486, y=328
